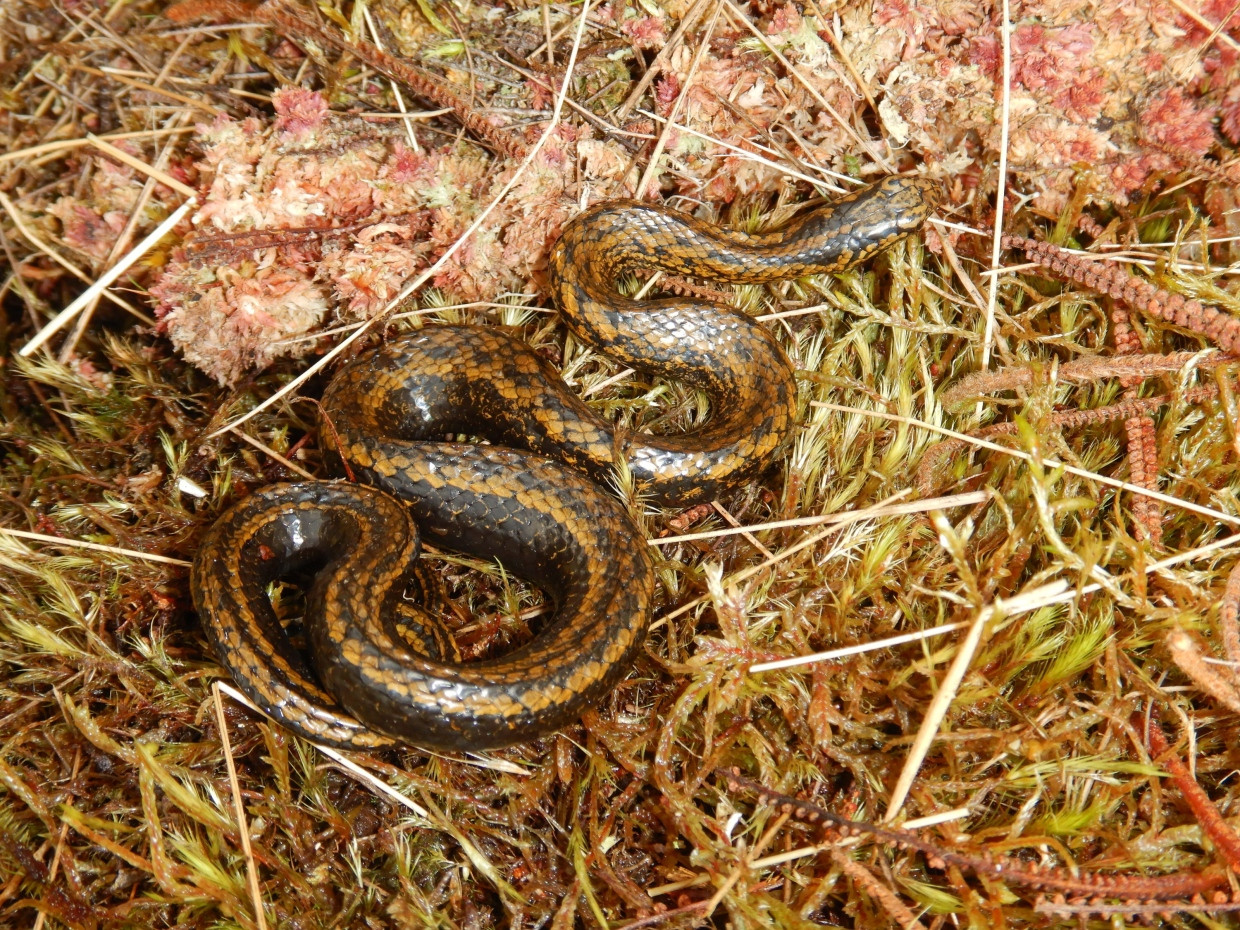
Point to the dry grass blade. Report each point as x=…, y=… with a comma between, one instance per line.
x=876, y=156
x=266, y=449
x=97, y=547
x=846, y=651
x=62, y=145
x=46, y=249
x=161, y=176
x=251, y=868
x=954, y=500
x=364, y=776
x=1005, y=121
x=661, y=142
x=949, y=686
x=92, y=293
x=661, y=59
x=1050, y=463
x=884, y=509
x=784, y=170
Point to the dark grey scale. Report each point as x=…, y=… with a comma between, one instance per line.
x=741, y=368
x=405, y=696
x=534, y=497
x=280, y=532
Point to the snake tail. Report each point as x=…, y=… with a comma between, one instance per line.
x=373, y=680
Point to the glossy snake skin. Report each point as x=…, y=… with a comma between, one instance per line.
x=385, y=671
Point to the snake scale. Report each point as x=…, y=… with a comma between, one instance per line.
x=383, y=669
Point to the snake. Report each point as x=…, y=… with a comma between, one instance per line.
x=528, y=487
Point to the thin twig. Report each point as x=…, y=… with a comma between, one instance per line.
x=266, y=449
x=946, y=692
x=858, y=649
x=251, y=866
x=811, y=87
x=1090, y=886
x=886, y=508
x=98, y=547
x=660, y=60
x=140, y=166
x=55, y=256
x=1029, y=457
x=1225, y=839
x=61, y=319
x=61, y=145
x=1005, y=121
x=961, y=500
x=677, y=105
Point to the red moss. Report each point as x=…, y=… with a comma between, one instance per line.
x=786, y=19
x=959, y=17
x=1128, y=177
x=987, y=54
x=646, y=32
x=287, y=232
x=1083, y=98
x=404, y=165
x=666, y=90
x=1195, y=32
x=1229, y=114
x=1175, y=121
x=906, y=17
x=85, y=230
x=298, y=111
x=1057, y=63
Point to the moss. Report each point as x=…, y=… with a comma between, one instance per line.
x=117, y=807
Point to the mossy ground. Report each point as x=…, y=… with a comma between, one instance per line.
x=117, y=801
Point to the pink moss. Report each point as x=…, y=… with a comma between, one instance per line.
x=645, y=31
x=298, y=111
x=1230, y=115
x=1175, y=121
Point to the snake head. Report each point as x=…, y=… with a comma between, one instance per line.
x=911, y=200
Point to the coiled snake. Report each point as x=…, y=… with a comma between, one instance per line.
x=385, y=669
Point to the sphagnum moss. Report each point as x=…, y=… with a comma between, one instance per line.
x=115, y=806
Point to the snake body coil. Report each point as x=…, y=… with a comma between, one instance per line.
x=384, y=668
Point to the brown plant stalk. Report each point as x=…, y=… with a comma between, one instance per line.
x=296, y=25
x=1224, y=837
x=1125, y=410
x=1228, y=612
x=1142, y=438
x=1077, y=371
x=1219, y=327
x=1188, y=655
x=1058, y=881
